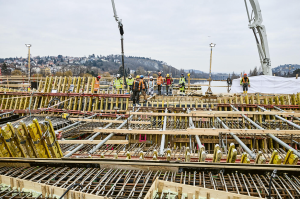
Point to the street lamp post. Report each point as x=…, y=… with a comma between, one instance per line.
x=29, y=70
x=209, y=92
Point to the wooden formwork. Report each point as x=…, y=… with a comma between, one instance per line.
x=160, y=186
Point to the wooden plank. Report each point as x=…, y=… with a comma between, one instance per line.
x=219, y=113
x=161, y=114
x=109, y=121
x=232, y=113
x=199, y=131
x=42, y=188
x=14, y=85
x=149, y=165
x=202, y=192
x=92, y=141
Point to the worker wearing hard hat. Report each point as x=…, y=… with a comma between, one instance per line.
x=136, y=89
x=245, y=82
x=151, y=84
x=118, y=83
x=143, y=87
x=97, y=84
x=168, y=81
x=159, y=83
x=182, y=82
x=129, y=82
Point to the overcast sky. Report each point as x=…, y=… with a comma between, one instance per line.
x=175, y=31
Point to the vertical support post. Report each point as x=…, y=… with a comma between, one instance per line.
x=163, y=136
x=209, y=79
x=29, y=65
x=189, y=81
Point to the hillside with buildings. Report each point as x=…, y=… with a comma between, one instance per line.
x=96, y=64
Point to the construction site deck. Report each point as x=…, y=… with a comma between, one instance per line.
x=63, y=139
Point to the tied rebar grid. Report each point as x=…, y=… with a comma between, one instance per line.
x=177, y=153
x=6, y=192
x=121, y=183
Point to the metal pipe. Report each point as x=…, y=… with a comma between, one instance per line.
x=248, y=119
x=163, y=136
x=283, y=144
x=279, y=109
x=296, y=142
x=238, y=140
x=7, y=113
x=281, y=118
x=91, y=138
x=270, y=135
x=244, y=146
x=110, y=135
x=74, y=124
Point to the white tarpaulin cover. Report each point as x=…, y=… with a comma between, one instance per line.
x=268, y=84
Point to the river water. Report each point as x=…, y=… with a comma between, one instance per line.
x=215, y=90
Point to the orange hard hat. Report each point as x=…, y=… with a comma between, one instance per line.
x=245, y=74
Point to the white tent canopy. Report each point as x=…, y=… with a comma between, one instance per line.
x=268, y=84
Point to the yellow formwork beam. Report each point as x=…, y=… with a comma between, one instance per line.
x=51, y=140
x=275, y=158
x=290, y=158
x=11, y=141
x=232, y=153
x=38, y=139
x=26, y=141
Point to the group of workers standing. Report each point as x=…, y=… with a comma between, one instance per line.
x=140, y=87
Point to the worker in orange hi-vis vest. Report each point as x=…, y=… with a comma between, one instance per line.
x=97, y=84
x=144, y=88
x=159, y=83
x=245, y=82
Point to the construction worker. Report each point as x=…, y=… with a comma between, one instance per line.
x=151, y=84
x=159, y=83
x=245, y=82
x=97, y=84
x=118, y=83
x=182, y=82
x=136, y=90
x=143, y=87
x=129, y=82
x=168, y=81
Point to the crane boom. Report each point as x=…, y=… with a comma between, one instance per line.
x=260, y=35
x=120, y=26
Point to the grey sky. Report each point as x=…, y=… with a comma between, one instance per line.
x=174, y=31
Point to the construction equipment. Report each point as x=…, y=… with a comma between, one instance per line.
x=65, y=116
x=275, y=158
x=290, y=158
x=232, y=152
x=245, y=159
x=202, y=154
x=168, y=154
x=217, y=154
x=255, y=23
x=141, y=154
x=121, y=29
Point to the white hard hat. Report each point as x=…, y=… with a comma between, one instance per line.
x=118, y=75
x=151, y=77
x=130, y=76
